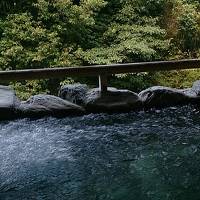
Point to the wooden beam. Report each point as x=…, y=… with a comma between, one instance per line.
x=96, y=70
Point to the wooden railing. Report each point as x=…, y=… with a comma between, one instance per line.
x=98, y=70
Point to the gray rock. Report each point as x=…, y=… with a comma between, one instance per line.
x=189, y=92
x=48, y=105
x=8, y=103
x=75, y=93
x=196, y=87
x=112, y=101
x=159, y=96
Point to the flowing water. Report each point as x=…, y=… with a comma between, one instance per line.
x=136, y=156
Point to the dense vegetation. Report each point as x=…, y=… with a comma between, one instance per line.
x=48, y=33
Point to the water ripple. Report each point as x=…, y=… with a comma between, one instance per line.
x=145, y=156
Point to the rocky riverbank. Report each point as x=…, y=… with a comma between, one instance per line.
x=78, y=99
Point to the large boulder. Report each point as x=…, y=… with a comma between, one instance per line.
x=112, y=100
x=189, y=92
x=74, y=93
x=159, y=96
x=8, y=103
x=196, y=87
x=48, y=105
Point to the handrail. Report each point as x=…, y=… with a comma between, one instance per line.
x=58, y=72
x=98, y=70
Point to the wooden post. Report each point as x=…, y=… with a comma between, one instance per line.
x=103, y=83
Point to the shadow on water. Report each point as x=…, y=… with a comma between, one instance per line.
x=144, y=156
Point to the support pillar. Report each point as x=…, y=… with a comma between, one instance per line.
x=103, y=83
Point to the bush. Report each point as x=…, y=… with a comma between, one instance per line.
x=177, y=79
x=133, y=82
x=25, y=89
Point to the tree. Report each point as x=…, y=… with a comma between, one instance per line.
x=132, y=35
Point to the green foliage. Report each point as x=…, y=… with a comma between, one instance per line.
x=130, y=37
x=184, y=28
x=135, y=43
x=67, y=81
x=26, y=44
x=151, y=8
x=49, y=38
x=27, y=88
x=177, y=79
x=133, y=82
x=189, y=29
x=15, y=6
x=49, y=33
x=71, y=22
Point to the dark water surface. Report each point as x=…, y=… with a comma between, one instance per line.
x=135, y=156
